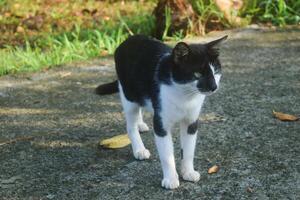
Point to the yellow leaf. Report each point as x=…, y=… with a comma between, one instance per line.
x=285, y=117
x=213, y=169
x=115, y=142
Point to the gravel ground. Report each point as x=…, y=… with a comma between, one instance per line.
x=51, y=123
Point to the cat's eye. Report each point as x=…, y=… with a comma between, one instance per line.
x=217, y=71
x=197, y=75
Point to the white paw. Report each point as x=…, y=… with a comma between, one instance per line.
x=143, y=127
x=192, y=176
x=142, y=154
x=170, y=183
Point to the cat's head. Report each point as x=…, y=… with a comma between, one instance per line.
x=197, y=65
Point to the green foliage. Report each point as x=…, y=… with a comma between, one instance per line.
x=277, y=12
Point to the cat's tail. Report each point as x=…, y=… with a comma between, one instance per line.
x=108, y=88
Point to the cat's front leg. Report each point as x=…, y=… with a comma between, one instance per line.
x=188, y=137
x=164, y=144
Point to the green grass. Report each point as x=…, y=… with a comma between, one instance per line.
x=78, y=45
x=63, y=49
x=277, y=12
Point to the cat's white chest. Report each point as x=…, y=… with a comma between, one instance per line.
x=177, y=105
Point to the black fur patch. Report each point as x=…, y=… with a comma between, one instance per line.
x=181, y=154
x=158, y=127
x=136, y=61
x=192, y=128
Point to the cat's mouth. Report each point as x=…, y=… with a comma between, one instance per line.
x=208, y=93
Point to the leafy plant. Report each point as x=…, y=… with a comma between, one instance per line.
x=277, y=12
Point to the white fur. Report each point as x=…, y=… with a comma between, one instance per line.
x=134, y=122
x=180, y=102
x=165, y=150
x=178, y=105
x=188, y=144
x=216, y=76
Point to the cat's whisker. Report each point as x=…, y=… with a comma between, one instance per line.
x=191, y=93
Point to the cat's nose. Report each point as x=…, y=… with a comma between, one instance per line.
x=214, y=87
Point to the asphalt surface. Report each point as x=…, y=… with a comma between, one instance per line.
x=51, y=123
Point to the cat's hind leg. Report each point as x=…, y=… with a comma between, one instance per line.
x=188, y=137
x=142, y=126
x=132, y=114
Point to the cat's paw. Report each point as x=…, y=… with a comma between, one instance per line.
x=192, y=176
x=170, y=183
x=143, y=127
x=142, y=154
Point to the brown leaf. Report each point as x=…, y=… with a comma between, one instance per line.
x=285, y=117
x=211, y=117
x=213, y=169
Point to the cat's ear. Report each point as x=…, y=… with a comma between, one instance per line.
x=216, y=42
x=180, y=51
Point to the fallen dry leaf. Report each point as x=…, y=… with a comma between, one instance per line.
x=285, y=117
x=213, y=169
x=65, y=74
x=211, y=117
x=115, y=142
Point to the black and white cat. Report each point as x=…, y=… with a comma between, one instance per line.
x=171, y=83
